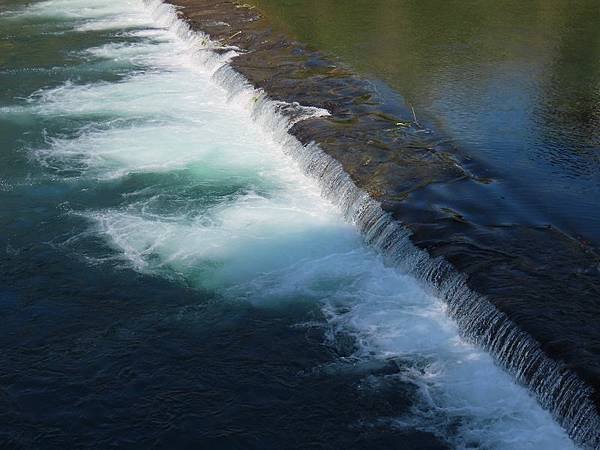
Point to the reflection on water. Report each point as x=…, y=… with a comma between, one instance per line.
x=514, y=85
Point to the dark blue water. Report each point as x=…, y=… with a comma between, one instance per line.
x=170, y=279
x=512, y=88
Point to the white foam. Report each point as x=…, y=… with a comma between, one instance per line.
x=274, y=239
x=90, y=14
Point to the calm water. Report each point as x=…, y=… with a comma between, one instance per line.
x=169, y=279
x=513, y=85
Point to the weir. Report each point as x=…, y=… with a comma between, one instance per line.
x=556, y=386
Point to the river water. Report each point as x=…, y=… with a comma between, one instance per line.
x=170, y=278
x=513, y=86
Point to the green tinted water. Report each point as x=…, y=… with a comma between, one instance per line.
x=514, y=85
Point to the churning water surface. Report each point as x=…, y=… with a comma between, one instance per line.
x=170, y=276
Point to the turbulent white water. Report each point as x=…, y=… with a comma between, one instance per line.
x=242, y=219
